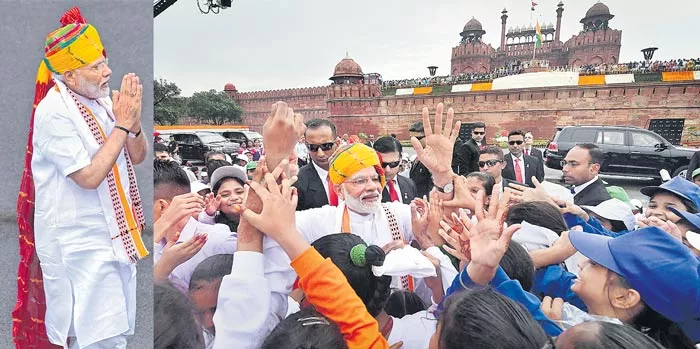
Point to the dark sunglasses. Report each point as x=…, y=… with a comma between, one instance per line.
x=324, y=146
x=478, y=133
x=391, y=164
x=490, y=163
x=515, y=142
x=420, y=137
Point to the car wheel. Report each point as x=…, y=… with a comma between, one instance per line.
x=681, y=171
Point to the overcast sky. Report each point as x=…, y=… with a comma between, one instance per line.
x=275, y=44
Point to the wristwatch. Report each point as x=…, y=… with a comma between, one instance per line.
x=448, y=188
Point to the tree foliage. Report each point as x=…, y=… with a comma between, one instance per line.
x=214, y=107
x=168, y=105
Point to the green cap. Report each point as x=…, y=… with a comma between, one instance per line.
x=618, y=193
x=695, y=173
x=251, y=165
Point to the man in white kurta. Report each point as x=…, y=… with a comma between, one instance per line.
x=89, y=275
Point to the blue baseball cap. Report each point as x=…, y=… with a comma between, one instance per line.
x=693, y=236
x=663, y=270
x=678, y=186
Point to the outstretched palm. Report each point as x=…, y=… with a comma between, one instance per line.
x=439, y=143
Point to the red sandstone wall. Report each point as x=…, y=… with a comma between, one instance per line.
x=537, y=110
x=594, y=47
x=309, y=101
x=471, y=58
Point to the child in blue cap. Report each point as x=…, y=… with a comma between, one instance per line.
x=689, y=230
x=678, y=193
x=647, y=279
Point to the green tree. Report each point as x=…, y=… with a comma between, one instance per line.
x=168, y=105
x=214, y=107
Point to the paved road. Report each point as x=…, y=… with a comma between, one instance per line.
x=9, y=258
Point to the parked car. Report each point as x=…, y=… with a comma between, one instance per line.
x=194, y=144
x=628, y=150
x=241, y=136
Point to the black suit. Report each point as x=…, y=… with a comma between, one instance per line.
x=536, y=153
x=465, y=157
x=406, y=187
x=422, y=178
x=532, y=168
x=592, y=195
x=310, y=189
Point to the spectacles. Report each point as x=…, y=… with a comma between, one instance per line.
x=98, y=67
x=490, y=163
x=515, y=142
x=420, y=137
x=478, y=133
x=324, y=146
x=571, y=163
x=391, y=164
x=364, y=180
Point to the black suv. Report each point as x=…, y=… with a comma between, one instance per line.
x=627, y=150
x=193, y=145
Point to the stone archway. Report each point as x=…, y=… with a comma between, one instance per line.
x=596, y=60
x=576, y=63
x=483, y=70
x=468, y=69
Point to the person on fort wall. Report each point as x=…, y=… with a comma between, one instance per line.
x=79, y=213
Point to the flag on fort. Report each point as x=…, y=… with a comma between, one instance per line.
x=538, y=35
x=533, y=6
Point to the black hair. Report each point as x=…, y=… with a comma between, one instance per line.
x=417, y=127
x=492, y=149
x=169, y=180
x=221, y=181
x=689, y=205
x=518, y=265
x=483, y=318
x=403, y=302
x=478, y=124
x=160, y=148
x=174, y=325
x=373, y=291
x=537, y=213
x=604, y=335
x=516, y=133
x=305, y=329
x=661, y=329
x=316, y=123
x=211, y=269
x=212, y=165
x=593, y=151
x=211, y=153
x=486, y=179
x=617, y=226
x=387, y=145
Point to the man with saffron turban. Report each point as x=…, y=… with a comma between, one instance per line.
x=79, y=211
x=358, y=180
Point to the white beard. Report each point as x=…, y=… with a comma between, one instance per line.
x=358, y=206
x=91, y=91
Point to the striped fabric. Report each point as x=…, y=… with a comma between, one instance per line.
x=482, y=86
x=584, y=80
x=677, y=76
x=422, y=90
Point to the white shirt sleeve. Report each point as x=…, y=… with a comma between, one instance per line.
x=446, y=268
x=205, y=218
x=58, y=141
x=243, y=318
